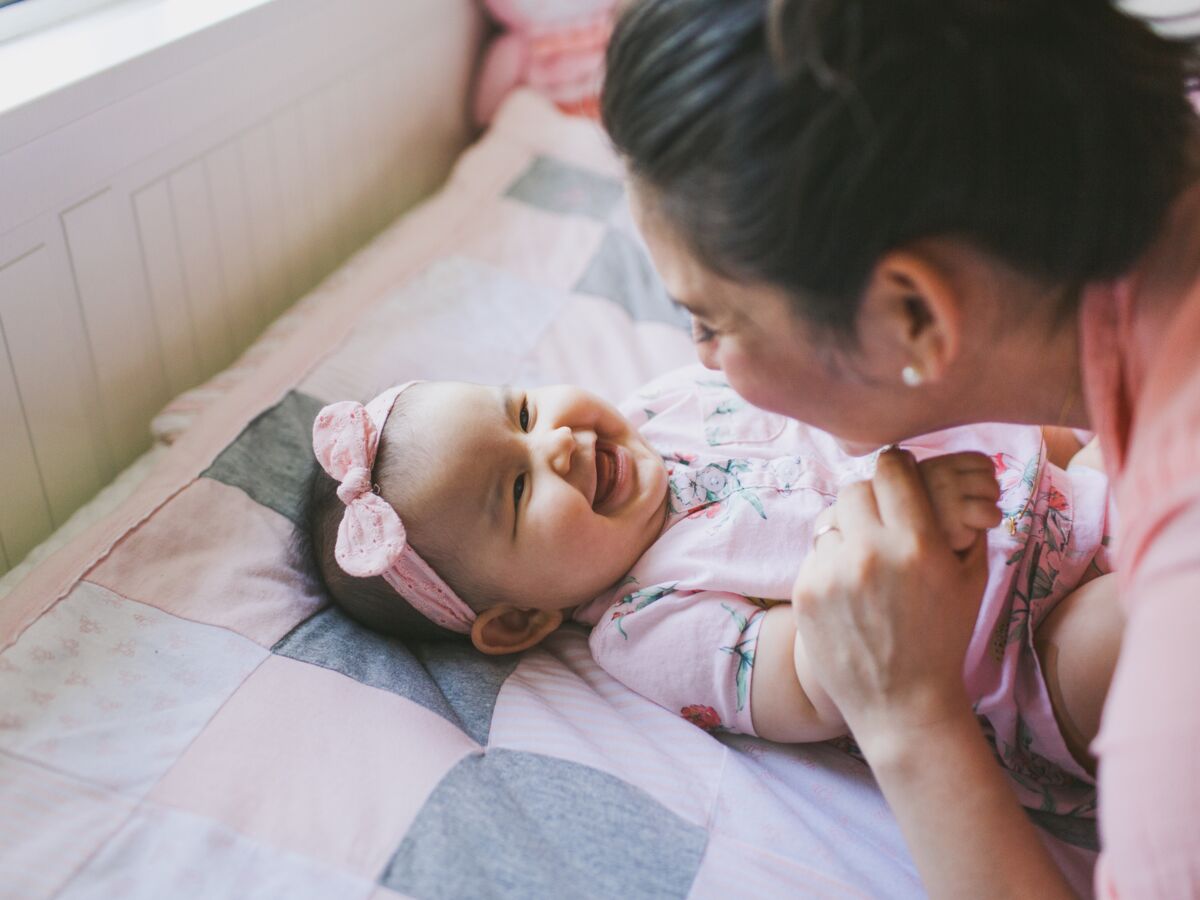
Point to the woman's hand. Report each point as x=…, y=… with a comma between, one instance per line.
x=885, y=608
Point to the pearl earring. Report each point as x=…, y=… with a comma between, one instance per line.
x=911, y=376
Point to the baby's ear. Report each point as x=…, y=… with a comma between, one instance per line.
x=508, y=629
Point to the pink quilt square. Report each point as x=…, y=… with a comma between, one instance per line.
x=544, y=247
x=168, y=854
x=460, y=319
x=595, y=344
x=213, y=555
x=308, y=760
x=733, y=868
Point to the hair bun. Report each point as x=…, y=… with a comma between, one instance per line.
x=824, y=36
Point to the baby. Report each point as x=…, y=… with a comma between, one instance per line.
x=675, y=526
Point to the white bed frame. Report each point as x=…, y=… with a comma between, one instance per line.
x=155, y=218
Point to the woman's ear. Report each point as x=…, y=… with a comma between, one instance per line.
x=915, y=305
x=507, y=629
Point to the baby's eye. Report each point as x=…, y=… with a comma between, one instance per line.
x=518, y=491
x=524, y=415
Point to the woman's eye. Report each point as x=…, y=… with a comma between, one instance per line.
x=518, y=491
x=701, y=333
x=524, y=415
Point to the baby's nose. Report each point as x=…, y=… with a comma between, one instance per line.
x=560, y=448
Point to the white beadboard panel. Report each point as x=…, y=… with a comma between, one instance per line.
x=364, y=161
x=344, y=151
x=264, y=217
x=321, y=177
x=163, y=271
x=295, y=207
x=24, y=510
x=202, y=276
x=58, y=340
x=116, y=314
x=51, y=418
x=155, y=220
x=247, y=315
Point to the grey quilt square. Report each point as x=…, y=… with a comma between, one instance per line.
x=556, y=186
x=451, y=679
x=469, y=681
x=272, y=458
x=332, y=640
x=513, y=824
x=622, y=272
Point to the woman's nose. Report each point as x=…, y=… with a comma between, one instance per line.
x=707, y=352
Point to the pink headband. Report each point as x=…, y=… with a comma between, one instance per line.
x=371, y=539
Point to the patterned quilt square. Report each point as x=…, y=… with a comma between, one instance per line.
x=112, y=691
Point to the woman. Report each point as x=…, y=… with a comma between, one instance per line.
x=889, y=217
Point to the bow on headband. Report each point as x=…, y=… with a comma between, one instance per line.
x=371, y=539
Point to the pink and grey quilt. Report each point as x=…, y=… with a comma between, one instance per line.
x=182, y=714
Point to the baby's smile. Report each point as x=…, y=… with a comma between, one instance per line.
x=614, y=478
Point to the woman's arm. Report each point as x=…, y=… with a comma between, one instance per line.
x=968, y=835
x=886, y=610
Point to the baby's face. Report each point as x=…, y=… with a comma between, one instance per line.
x=548, y=496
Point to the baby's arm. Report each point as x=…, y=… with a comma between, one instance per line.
x=787, y=703
x=1089, y=456
x=1061, y=444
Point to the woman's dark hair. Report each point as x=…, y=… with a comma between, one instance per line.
x=795, y=142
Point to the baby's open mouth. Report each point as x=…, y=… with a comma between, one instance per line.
x=609, y=470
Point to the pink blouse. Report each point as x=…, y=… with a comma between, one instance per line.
x=1141, y=379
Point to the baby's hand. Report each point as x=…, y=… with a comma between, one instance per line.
x=964, y=491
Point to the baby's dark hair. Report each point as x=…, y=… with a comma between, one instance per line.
x=369, y=601
x=796, y=142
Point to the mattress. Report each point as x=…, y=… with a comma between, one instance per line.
x=183, y=714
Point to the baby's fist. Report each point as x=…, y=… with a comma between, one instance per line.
x=964, y=491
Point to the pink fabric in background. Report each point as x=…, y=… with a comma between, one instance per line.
x=261, y=599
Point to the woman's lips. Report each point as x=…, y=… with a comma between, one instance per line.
x=613, y=477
